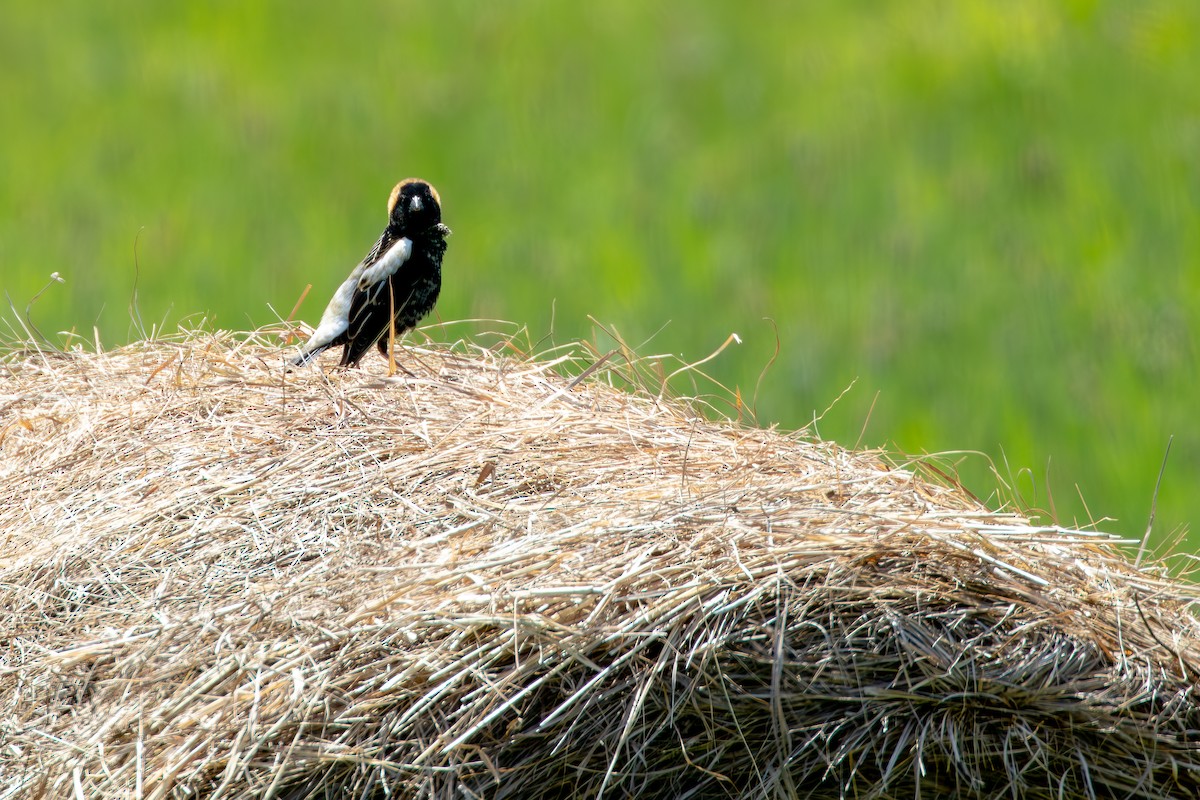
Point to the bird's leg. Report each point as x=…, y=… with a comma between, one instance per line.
x=391, y=330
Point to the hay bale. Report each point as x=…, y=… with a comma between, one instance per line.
x=487, y=580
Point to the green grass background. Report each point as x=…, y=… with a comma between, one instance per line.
x=985, y=214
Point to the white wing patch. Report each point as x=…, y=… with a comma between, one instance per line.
x=336, y=319
x=387, y=264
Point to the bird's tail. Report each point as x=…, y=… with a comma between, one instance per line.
x=306, y=356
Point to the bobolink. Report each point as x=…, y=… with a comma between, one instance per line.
x=400, y=278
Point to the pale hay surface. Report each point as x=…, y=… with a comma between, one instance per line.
x=480, y=580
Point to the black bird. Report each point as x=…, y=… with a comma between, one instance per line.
x=400, y=278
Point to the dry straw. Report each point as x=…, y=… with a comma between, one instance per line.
x=486, y=579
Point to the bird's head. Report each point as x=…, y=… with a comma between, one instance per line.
x=414, y=207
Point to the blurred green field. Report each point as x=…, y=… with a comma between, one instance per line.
x=984, y=215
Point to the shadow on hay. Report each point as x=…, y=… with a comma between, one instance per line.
x=799, y=691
